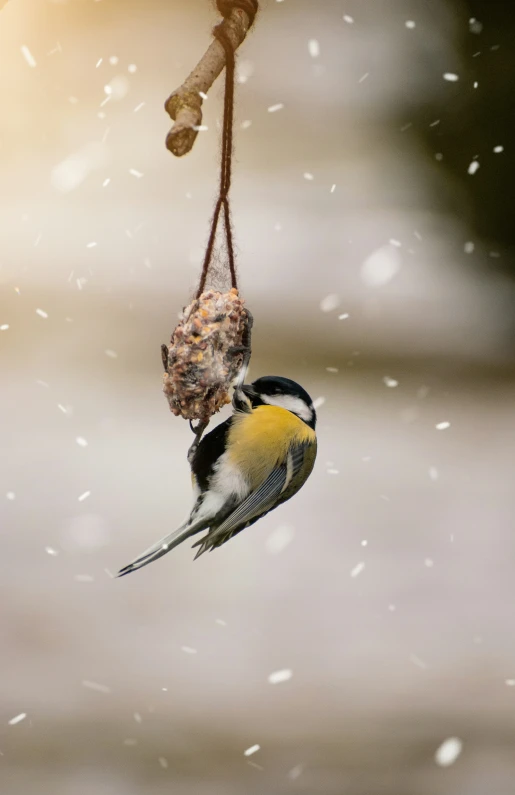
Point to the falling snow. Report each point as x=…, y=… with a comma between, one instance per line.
x=279, y=539
x=117, y=88
x=188, y=650
x=410, y=24
x=390, y=382
x=17, y=719
x=283, y=675
x=84, y=496
x=498, y=149
x=28, y=56
x=356, y=571
x=135, y=173
x=295, y=772
x=473, y=167
x=95, y=686
x=348, y=19
x=448, y=752
x=81, y=441
x=4, y=327
x=433, y=473
x=70, y=173
x=381, y=266
x=252, y=750
x=469, y=247
x=313, y=48
x=451, y=77
x=275, y=108
x=51, y=551
x=245, y=70
x=330, y=302
x=442, y=426
x=41, y=313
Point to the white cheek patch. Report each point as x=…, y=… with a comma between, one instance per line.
x=294, y=404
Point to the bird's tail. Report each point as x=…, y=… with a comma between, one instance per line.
x=163, y=546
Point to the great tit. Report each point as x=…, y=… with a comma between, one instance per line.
x=246, y=466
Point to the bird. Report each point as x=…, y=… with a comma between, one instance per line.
x=248, y=465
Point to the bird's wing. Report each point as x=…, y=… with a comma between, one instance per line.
x=257, y=503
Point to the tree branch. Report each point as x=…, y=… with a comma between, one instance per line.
x=185, y=104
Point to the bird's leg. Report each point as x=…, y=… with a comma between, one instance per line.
x=198, y=431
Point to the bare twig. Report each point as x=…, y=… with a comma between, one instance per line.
x=185, y=104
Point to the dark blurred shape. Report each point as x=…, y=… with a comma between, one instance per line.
x=478, y=119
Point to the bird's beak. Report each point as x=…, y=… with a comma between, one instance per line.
x=249, y=391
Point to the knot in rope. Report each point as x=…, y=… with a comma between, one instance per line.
x=250, y=7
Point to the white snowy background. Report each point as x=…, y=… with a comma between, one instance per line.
x=382, y=597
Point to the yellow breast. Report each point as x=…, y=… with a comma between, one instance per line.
x=259, y=441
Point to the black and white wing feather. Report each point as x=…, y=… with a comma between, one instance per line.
x=257, y=503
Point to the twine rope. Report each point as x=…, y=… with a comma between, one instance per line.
x=225, y=8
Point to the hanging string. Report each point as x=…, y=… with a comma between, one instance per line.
x=225, y=7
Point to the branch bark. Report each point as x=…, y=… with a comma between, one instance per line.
x=185, y=104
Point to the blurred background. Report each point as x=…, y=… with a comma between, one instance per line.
x=362, y=634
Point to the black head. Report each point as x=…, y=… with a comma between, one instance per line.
x=273, y=390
